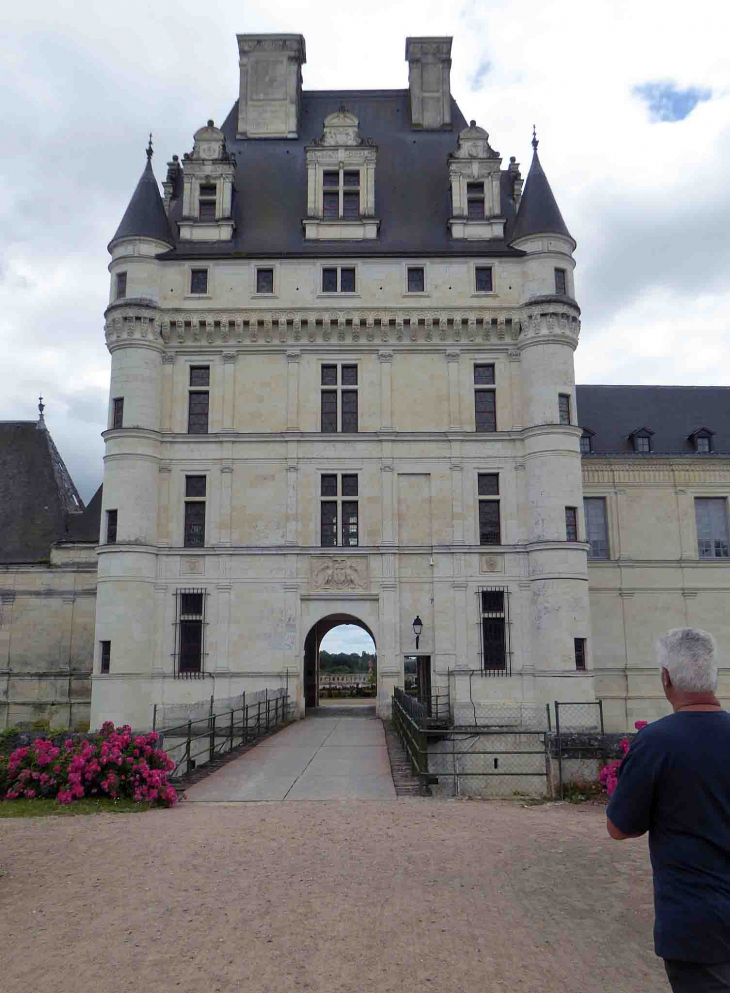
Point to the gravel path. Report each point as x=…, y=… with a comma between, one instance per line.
x=341, y=896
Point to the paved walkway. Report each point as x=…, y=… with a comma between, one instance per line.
x=319, y=758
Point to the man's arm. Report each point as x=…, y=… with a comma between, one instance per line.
x=629, y=811
x=617, y=834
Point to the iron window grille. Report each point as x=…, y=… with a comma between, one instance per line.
x=117, y=412
x=339, y=512
x=195, y=493
x=198, y=399
x=580, y=653
x=475, y=201
x=206, y=203
x=563, y=408
x=199, y=281
x=105, y=656
x=190, y=625
x=416, y=279
x=341, y=194
x=485, y=406
x=571, y=524
x=264, y=280
x=111, y=527
x=713, y=541
x=494, y=630
x=490, y=532
x=483, y=279
x=594, y=509
x=121, y=286
x=560, y=282
x=339, y=399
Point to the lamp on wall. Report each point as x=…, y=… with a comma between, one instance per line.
x=417, y=628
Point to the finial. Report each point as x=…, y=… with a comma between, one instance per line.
x=41, y=425
x=210, y=123
x=472, y=124
x=535, y=142
x=149, y=150
x=41, y=406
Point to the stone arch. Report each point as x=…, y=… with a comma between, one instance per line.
x=312, y=643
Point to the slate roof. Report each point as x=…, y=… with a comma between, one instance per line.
x=37, y=497
x=672, y=413
x=412, y=190
x=539, y=212
x=86, y=527
x=145, y=216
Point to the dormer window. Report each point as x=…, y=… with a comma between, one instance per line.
x=207, y=193
x=206, y=209
x=476, y=193
x=475, y=201
x=642, y=440
x=702, y=444
x=702, y=440
x=341, y=194
x=586, y=441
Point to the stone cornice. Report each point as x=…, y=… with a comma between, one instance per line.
x=680, y=471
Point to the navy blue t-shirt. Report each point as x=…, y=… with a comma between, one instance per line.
x=675, y=784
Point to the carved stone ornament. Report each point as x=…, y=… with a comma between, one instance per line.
x=474, y=144
x=339, y=572
x=491, y=563
x=191, y=566
x=341, y=129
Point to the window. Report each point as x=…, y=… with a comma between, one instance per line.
x=494, y=630
x=563, y=408
x=560, y=284
x=117, y=412
x=475, y=201
x=121, y=286
x=111, y=527
x=190, y=632
x=195, y=491
x=488, y=496
x=206, y=204
x=198, y=399
x=642, y=443
x=586, y=444
x=579, y=645
x=198, y=280
x=341, y=194
x=339, y=400
x=596, y=527
x=571, y=524
x=703, y=443
x=483, y=279
x=712, y=528
x=338, y=279
x=416, y=279
x=338, y=492
x=264, y=280
x=485, y=414
x=105, y=655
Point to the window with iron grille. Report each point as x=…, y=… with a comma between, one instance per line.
x=190, y=632
x=206, y=202
x=483, y=279
x=560, y=283
x=111, y=527
x=564, y=408
x=475, y=201
x=489, y=518
x=338, y=279
x=586, y=444
x=712, y=527
x=339, y=509
x=580, y=653
x=341, y=194
x=339, y=399
x=195, y=492
x=264, y=280
x=121, y=286
x=105, y=656
x=416, y=279
x=198, y=399
x=594, y=509
x=117, y=412
x=571, y=524
x=198, y=280
x=485, y=407
x=494, y=629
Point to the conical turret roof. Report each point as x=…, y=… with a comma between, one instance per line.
x=145, y=216
x=539, y=212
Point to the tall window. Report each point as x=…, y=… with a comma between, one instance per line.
x=564, y=408
x=338, y=509
x=199, y=281
x=483, y=279
x=579, y=645
x=195, y=488
x=712, y=527
x=206, y=203
x=341, y=194
x=198, y=399
x=190, y=632
x=488, y=495
x=111, y=527
x=338, y=279
x=117, y=412
x=571, y=524
x=475, y=201
x=416, y=279
x=594, y=509
x=560, y=284
x=338, y=398
x=121, y=286
x=485, y=408
x=494, y=630
x=105, y=656
x=264, y=280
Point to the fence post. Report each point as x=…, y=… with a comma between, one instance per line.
x=560, y=749
x=266, y=691
x=154, y=718
x=549, y=723
x=212, y=738
x=187, y=749
x=600, y=711
x=258, y=719
x=244, y=734
x=230, y=747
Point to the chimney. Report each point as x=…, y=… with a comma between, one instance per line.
x=429, y=82
x=270, y=94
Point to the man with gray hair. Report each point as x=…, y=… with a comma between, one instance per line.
x=675, y=783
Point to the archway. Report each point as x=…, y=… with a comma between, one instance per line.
x=313, y=647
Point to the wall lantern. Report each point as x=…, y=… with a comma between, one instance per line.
x=417, y=628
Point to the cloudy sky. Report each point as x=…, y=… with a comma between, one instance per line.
x=631, y=101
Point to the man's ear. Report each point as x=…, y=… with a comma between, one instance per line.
x=666, y=679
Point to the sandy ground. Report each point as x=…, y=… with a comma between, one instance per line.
x=342, y=896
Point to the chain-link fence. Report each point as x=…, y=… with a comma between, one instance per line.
x=171, y=715
x=578, y=748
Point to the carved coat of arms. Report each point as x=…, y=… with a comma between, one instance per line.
x=339, y=573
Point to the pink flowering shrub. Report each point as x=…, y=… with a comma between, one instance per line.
x=115, y=764
x=608, y=775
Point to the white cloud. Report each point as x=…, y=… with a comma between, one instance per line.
x=347, y=638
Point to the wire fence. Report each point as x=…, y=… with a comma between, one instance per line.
x=172, y=715
x=580, y=739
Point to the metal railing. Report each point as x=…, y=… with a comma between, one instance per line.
x=197, y=742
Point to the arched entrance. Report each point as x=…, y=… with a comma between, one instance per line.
x=312, y=645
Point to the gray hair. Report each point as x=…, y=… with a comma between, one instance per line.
x=688, y=655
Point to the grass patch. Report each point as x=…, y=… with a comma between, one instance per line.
x=90, y=805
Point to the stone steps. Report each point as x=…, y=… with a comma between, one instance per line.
x=405, y=782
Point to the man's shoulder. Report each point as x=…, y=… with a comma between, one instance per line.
x=674, y=726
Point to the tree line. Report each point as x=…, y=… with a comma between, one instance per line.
x=341, y=662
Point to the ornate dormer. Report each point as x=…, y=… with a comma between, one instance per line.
x=207, y=188
x=474, y=171
x=341, y=182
